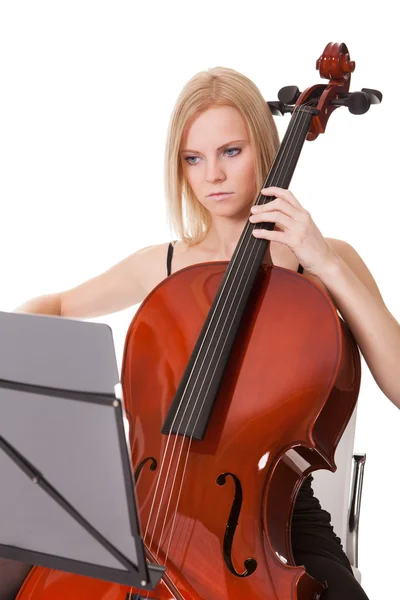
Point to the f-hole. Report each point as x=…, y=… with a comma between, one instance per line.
x=250, y=564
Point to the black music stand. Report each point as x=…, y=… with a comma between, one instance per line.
x=67, y=496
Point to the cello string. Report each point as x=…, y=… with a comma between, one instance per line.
x=289, y=143
x=196, y=378
x=230, y=317
x=183, y=438
x=295, y=129
x=276, y=164
x=198, y=414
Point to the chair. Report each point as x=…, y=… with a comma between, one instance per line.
x=340, y=493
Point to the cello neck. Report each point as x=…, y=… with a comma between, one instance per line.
x=279, y=175
x=289, y=151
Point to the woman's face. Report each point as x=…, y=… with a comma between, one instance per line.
x=217, y=157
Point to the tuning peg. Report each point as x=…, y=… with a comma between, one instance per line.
x=358, y=103
x=289, y=94
x=374, y=95
x=276, y=107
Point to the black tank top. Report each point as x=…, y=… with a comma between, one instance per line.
x=311, y=529
x=171, y=251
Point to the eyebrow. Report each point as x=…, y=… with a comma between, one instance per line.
x=220, y=148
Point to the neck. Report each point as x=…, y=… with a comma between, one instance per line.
x=223, y=236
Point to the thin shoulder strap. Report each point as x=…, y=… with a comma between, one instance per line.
x=169, y=257
x=170, y=252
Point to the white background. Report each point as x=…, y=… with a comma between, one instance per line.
x=87, y=91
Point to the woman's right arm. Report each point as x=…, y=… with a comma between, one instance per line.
x=116, y=289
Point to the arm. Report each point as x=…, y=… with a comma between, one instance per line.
x=357, y=297
x=111, y=291
x=117, y=288
x=43, y=305
x=347, y=279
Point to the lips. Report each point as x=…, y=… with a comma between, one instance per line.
x=220, y=196
x=219, y=193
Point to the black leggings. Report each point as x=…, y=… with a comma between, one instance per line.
x=342, y=585
x=316, y=546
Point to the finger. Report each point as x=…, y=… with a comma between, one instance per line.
x=281, y=193
x=273, y=236
x=272, y=217
x=277, y=204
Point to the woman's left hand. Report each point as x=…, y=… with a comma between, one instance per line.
x=295, y=228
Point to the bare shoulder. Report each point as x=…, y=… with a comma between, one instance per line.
x=119, y=287
x=152, y=266
x=351, y=257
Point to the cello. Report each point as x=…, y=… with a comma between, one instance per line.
x=239, y=380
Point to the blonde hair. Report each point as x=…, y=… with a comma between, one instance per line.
x=218, y=86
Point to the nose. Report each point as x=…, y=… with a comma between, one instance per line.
x=214, y=171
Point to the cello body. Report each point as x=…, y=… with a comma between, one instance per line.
x=216, y=512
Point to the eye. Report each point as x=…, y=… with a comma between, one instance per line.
x=237, y=150
x=189, y=158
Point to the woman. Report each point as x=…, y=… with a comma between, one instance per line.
x=221, y=143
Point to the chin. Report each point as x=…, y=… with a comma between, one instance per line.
x=230, y=204
x=225, y=210
x=233, y=210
